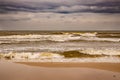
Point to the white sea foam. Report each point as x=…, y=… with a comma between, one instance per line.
x=59, y=38
x=101, y=39
x=27, y=56
x=108, y=51
x=101, y=59
x=88, y=34
x=55, y=57
x=61, y=42
x=39, y=37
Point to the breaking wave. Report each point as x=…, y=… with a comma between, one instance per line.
x=55, y=37
x=108, y=51
x=54, y=57
x=60, y=47
x=89, y=51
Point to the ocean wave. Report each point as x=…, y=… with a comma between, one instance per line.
x=56, y=38
x=100, y=59
x=38, y=37
x=89, y=51
x=26, y=55
x=54, y=57
x=107, y=51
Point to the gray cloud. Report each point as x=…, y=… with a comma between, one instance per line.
x=99, y=6
x=56, y=21
x=59, y=14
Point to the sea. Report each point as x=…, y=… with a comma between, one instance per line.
x=105, y=43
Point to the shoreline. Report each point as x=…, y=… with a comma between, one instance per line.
x=10, y=70
x=115, y=67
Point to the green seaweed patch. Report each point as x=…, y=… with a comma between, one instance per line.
x=77, y=54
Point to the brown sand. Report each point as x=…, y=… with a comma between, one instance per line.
x=104, y=66
x=66, y=71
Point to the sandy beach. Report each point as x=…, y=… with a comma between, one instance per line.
x=103, y=66
x=59, y=71
x=59, y=39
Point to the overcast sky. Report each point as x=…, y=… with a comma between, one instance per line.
x=59, y=14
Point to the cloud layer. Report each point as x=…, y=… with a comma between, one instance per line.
x=59, y=14
x=61, y=6
x=56, y=21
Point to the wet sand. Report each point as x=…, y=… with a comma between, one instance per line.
x=104, y=66
x=55, y=71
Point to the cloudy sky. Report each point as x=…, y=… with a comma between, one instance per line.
x=59, y=14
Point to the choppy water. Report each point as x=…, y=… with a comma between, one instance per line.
x=36, y=42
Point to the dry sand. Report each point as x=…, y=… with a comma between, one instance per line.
x=50, y=71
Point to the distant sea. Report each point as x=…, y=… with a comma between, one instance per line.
x=89, y=42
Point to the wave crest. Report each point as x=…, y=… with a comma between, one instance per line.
x=55, y=37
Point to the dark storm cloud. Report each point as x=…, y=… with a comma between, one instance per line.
x=107, y=6
x=59, y=14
